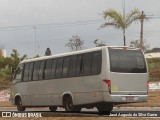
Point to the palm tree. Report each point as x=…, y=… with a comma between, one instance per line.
x=120, y=21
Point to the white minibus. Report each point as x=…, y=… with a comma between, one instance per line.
x=98, y=77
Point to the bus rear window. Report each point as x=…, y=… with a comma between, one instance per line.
x=127, y=61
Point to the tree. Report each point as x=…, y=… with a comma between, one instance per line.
x=136, y=44
x=4, y=62
x=5, y=71
x=98, y=43
x=16, y=59
x=8, y=65
x=120, y=21
x=75, y=43
x=1, y=53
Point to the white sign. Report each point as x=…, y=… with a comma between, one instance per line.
x=154, y=86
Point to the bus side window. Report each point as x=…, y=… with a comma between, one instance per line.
x=48, y=68
x=59, y=67
x=80, y=65
x=96, y=63
x=41, y=70
x=72, y=66
x=87, y=63
x=65, y=66
x=36, y=70
x=54, y=62
x=26, y=72
x=30, y=75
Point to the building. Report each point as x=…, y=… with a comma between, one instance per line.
x=154, y=53
x=2, y=53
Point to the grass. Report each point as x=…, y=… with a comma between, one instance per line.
x=154, y=69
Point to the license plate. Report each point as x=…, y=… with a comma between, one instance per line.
x=129, y=98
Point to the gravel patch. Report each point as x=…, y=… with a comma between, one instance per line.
x=5, y=95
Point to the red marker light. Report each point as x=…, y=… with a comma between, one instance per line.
x=109, y=84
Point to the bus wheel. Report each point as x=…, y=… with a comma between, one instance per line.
x=105, y=108
x=68, y=104
x=19, y=105
x=52, y=108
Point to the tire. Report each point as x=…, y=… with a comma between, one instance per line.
x=19, y=105
x=77, y=109
x=52, y=108
x=68, y=105
x=105, y=108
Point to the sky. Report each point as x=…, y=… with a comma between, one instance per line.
x=53, y=22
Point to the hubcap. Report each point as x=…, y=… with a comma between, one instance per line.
x=69, y=106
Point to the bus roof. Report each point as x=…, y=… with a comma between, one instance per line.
x=72, y=53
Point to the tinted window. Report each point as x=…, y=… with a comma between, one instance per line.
x=127, y=61
x=59, y=67
x=41, y=70
x=36, y=70
x=48, y=68
x=80, y=65
x=30, y=71
x=72, y=66
x=96, y=63
x=18, y=73
x=26, y=72
x=54, y=62
x=87, y=63
x=65, y=66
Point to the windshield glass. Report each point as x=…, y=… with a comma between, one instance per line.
x=127, y=61
x=18, y=74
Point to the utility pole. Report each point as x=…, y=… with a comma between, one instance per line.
x=141, y=34
x=35, y=38
x=124, y=29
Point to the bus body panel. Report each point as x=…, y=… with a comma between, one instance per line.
x=20, y=89
x=84, y=90
x=129, y=84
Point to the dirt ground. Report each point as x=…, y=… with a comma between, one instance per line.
x=81, y=118
x=153, y=101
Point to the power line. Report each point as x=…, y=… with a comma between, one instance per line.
x=51, y=25
x=15, y=29
x=65, y=24
x=154, y=17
